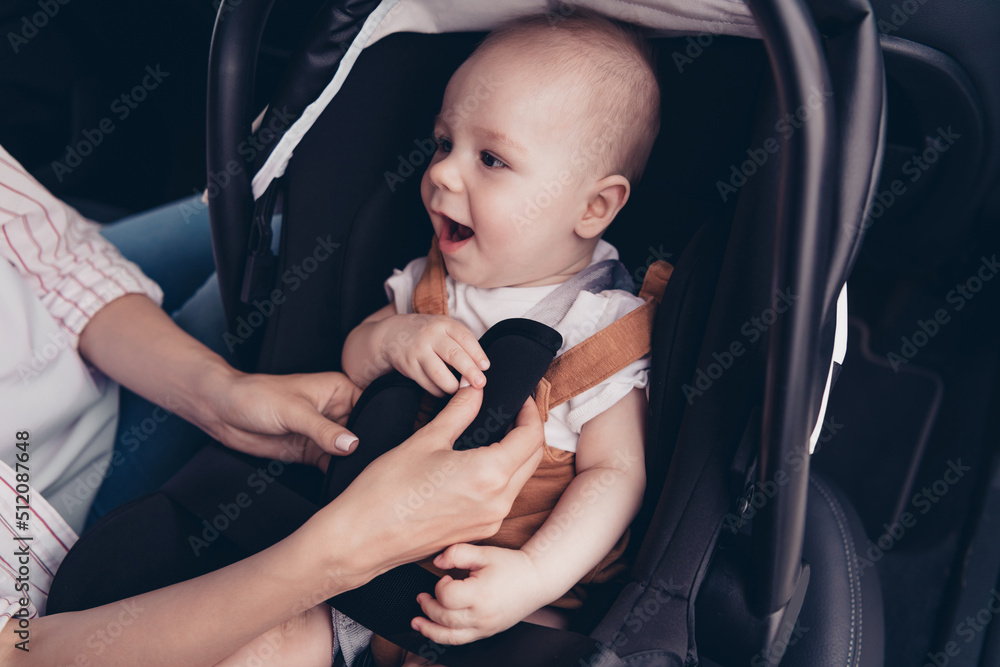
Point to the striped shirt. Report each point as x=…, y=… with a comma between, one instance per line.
x=69, y=266
x=59, y=271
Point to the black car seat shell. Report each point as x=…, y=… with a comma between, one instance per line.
x=944, y=147
x=794, y=227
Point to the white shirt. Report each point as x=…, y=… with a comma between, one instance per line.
x=479, y=309
x=59, y=271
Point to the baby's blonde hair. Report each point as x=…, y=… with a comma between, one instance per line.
x=624, y=100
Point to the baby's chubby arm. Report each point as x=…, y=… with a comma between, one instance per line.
x=505, y=585
x=421, y=347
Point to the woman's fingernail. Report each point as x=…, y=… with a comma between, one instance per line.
x=464, y=383
x=344, y=442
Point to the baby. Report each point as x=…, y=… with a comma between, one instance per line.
x=541, y=133
x=525, y=180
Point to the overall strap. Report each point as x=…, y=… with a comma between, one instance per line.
x=430, y=295
x=608, y=351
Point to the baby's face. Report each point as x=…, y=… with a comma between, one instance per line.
x=509, y=181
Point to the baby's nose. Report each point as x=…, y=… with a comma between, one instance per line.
x=445, y=174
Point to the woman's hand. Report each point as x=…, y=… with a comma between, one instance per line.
x=423, y=496
x=293, y=418
x=288, y=417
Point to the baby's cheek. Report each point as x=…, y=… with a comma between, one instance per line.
x=425, y=190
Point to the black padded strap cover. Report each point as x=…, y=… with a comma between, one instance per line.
x=520, y=351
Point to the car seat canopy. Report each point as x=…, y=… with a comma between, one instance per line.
x=668, y=18
x=664, y=19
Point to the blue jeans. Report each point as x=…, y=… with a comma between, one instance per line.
x=173, y=246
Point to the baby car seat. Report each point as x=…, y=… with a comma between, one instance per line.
x=740, y=556
x=756, y=189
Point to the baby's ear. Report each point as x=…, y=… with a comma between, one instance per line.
x=606, y=198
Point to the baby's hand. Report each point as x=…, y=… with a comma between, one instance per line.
x=421, y=347
x=502, y=588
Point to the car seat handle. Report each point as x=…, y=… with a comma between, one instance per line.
x=232, y=65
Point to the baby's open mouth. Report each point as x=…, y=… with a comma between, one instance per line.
x=455, y=231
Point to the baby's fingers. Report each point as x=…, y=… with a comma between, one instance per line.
x=442, y=635
x=477, y=361
x=415, y=372
x=446, y=616
x=438, y=373
x=457, y=593
x=456, y=626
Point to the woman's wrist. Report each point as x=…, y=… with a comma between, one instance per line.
x=337, y=550
x=205, y=404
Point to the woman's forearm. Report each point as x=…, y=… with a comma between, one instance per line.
x=132, y=341
x=193, y=623
x=275, y=416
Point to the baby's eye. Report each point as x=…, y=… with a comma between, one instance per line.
x=491, y=161
x=444, y=145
